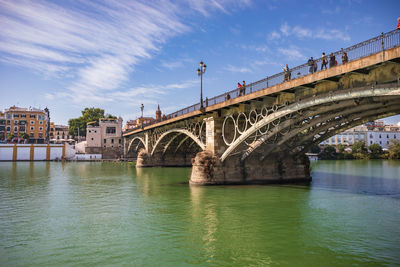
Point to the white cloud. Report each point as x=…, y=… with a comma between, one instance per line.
x=285, y=29
x=237, y=69
x=292, y=53
x=331, y=11
x=257, y=48
x=274, y=35
x=96, y=45
x=49, y=96
x=205, y=7
x=171, y=65
x=300, y=32
x=102, y=43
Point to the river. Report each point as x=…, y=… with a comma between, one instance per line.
x=112, y=214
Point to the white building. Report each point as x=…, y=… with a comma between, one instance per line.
x=105, y=137
x=381, y=138
x=370, y=133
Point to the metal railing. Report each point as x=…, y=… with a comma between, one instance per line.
x=366, y=48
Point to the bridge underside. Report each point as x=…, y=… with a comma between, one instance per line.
x=277, y=155
x=264, y=139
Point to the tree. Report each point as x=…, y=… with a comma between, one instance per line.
x=341, y=148
x=376, y=151
x=394, y=149
x=359, y=147
x=10, y=136
x=359, y=150
x=25, y=136
x=315, y=149
x=88, y=115
x=329, y=152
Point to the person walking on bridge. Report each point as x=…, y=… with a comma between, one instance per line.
x=244, y=87
x=345, y=58
x=311, y=65
x=332, y=60
x=287, y=73
x=240, y=89
x=324, y=61
x=398, y=24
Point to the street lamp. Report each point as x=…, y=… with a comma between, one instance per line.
x=141, y=108
x=48, y=125
x=200, y=72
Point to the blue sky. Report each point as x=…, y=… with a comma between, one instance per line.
x=115, y=55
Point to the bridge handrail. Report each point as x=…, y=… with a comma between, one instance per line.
x=366, y=48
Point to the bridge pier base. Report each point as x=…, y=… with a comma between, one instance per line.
x=209, y=170
x=144, y=159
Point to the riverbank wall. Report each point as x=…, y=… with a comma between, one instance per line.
x=35, y=152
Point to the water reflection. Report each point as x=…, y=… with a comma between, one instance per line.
x=204, y=220
x=362, y=177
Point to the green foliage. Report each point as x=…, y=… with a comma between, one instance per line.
x=88, y=115
x=315, y=149
x=347, y=155
x=341, y=148
x=358, y=155
x=329, y=152
x=10, y=136
x=109, y=116
x=376, y=151
x=394, y=149
x=359, y=147
x=25, y=135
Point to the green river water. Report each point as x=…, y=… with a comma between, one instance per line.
x=112, y=214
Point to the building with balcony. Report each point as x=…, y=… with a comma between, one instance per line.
x=31, y=121
x=59, y=133
x=105, y=137
x=129, y=125
x=2, y=126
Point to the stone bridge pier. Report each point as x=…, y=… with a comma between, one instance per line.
x=209, y=169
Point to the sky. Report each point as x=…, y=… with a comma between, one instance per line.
x=115, y=55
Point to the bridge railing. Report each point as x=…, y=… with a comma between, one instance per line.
x=366, y=48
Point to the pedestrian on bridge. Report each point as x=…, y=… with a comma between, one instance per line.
x=244, y=87
x=287, y=73
x=324, y=61
x=311, y=65
x=398, y=24
x=240, y=89
x=345, y=58
x=332, y=60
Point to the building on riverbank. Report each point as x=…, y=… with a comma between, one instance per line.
x=2, y=126
x=134, y=124
x=105, y=137
x=59, y=133
x=375, y=132
x=32, y=121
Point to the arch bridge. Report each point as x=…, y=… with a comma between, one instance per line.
x=262, y=136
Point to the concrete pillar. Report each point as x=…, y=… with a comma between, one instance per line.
x=210, y=134
x=209, y=170
x=214, y=141
x=147, y=142
x=144, y=159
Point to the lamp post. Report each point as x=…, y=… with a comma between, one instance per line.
x=200, y=72
x=142, y=108
x=48, y=125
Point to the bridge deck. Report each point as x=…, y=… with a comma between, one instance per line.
x=365, y=63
